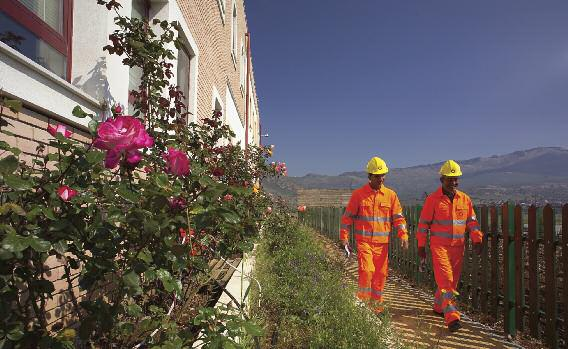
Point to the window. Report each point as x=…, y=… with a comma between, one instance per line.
x=183, y=74
x=40, y=30
x=140, y=10
x=234, y=34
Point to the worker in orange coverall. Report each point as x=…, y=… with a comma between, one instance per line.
x=446, y=215
x=374, y=209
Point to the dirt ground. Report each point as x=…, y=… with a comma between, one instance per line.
x=410, y=309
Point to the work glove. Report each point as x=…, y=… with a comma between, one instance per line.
x=422, y=252
x=477, y=248
x=404, y=244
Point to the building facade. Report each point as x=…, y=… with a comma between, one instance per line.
x=52, y=59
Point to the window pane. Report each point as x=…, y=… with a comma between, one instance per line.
x=183, y=74
x=139, y=9
x=25, y=42
x=50, y=11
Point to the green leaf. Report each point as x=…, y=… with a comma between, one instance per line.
x=95, y=156
x=78, y=112
x=60, y=247
x=15, y=243
x=228, y=345
x=170, y=284
x=132, y=282
x=136, y=44
x=253, y=329
x=134, y=310
x=39, y=245
x=145, y=256
x=9, y=164
x=162, y=181
x=128, y=194
x=230, y=216
x=11, y=207
x=48, y=212
x=17, y=183
x=93, y=126
x=33, y=213
x=16, y=334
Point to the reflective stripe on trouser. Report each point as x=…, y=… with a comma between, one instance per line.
x=373, y=266
x=447, y=262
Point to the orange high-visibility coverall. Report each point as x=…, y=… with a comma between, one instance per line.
x=447, y=222
x=373, y=212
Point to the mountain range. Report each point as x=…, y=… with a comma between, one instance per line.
x=535, y=175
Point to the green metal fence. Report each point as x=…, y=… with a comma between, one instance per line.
x=518, y=278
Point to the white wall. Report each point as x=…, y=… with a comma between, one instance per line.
x=233, y=120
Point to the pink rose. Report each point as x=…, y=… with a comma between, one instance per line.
x=54, y=130
x=228, y=197
x=177, y=162
x=66, y=193
x=123, y=135
x=269, y=210
x=301, y=208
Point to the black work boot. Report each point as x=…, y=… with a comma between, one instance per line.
x=454, y=325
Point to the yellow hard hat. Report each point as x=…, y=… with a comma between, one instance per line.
x=377, y=166
x=450, y=168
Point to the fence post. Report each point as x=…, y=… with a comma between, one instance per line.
x=494, y=263
x=550, y=277
x=519, y=268
x=475, y=274
x=534, y=309
x=509, y=271
x=484, y=259
x=565, y=266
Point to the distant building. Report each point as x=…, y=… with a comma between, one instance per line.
x=51, y=58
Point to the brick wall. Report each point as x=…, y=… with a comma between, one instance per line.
x=213, y=38
x=30, y=131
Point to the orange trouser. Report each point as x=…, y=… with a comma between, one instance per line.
x=447, y=262
x=373, y=267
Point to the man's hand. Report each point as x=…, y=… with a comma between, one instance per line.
x=477, y=248
x=422, y=252
x=404, y=244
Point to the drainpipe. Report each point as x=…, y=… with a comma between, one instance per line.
x=247, y=36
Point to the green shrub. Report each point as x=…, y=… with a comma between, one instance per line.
x=304, y=303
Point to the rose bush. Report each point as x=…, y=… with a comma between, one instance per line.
x=127, y=216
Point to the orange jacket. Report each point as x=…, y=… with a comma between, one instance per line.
x=373, y=212
x=447, y=221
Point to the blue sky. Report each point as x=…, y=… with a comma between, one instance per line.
x=412, y=81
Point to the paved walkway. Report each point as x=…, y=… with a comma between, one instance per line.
x=412, y=317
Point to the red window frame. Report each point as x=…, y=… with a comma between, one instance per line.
x=60, y=42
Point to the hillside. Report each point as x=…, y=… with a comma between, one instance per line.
x=533, y=175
